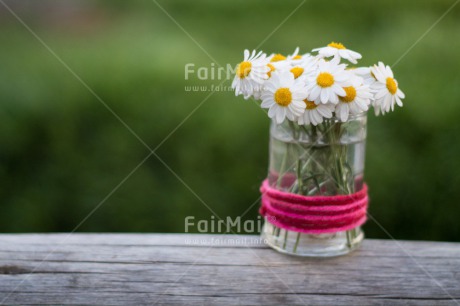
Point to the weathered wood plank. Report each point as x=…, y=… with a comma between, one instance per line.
x=145, y=269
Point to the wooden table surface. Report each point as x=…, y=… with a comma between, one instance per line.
x=148, y=269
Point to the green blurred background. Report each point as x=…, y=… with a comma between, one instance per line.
x=62, y=152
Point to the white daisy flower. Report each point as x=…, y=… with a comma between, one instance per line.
x=326, y=84
x=250, y=73
x=276, y=57
x=277, y=66
x=315, y=114
x=365, y=73
x=386, y=89
x=273, y=66
x=283, y=96
x=337, y=50
x=357, y=99
x=295, y=57
x=305, y=67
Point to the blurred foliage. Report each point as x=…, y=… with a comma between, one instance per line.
x=63, y=152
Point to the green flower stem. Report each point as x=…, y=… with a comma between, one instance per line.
x=282, y=169
x=319, y=165
x=342, y=173
x=285, y=239
x=296, y=242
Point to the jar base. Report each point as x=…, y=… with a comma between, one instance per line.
x=311, y=245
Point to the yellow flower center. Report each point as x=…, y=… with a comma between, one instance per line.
x=325, y=79
x=272, y=68
x=391, y=85
x=310, y=104
x=243, y=70
x=278, y=57
x=283, y=96
x=297, y=57
x=350, y=94
x=297, y=71
x=336, y=45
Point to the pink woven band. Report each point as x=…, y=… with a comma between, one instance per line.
x=313, y=214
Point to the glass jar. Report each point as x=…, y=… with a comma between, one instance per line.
x=327, y=160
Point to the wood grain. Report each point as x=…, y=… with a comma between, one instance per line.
x=171, y=269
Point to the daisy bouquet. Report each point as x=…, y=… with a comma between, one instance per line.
x=318, y=104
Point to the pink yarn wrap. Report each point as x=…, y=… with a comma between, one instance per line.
x=313, y=214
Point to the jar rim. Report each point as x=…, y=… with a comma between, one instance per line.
x=335, y=118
